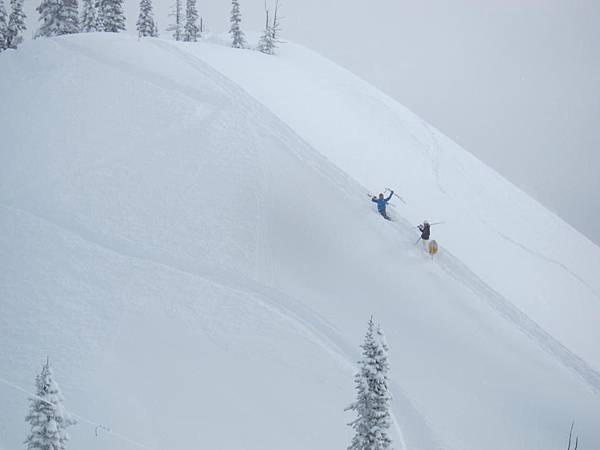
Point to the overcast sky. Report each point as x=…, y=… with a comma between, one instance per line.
x=515, y=82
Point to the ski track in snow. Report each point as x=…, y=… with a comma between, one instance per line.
x=435, y=155
x=453, y=267
x=462, y=273
x=436, y=151
x=435, y=163
x=550, y=261
x=459, y=271
x=548, y=343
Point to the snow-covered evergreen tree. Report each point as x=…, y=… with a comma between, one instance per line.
x=237, y=35
x=145, y=23
x=270, y=37
x=47, y=416
x=99, y=15
x=265, y=43
x=177, y=26
x=71, y=22
x=16, y=24
x=191, y=31
x=373, y=399
x=89, y=17
x=49, y=12
x=58, y=17
x=3, y=26
x=112, y=15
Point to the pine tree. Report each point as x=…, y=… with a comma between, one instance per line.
x=112, y=15
x=58, y=17
x=99, y=15
x=270, y=37
x=3, y=27
x=16, y=24
x=71, y=22
x=237, y=35
x=89, y=17
x=47, y=416
x=191, y=31
x=145, y=24
x=373, y=400
x=48, y=10
x=177, y=27
x=265, y=43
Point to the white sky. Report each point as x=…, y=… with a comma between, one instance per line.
x=515, y=82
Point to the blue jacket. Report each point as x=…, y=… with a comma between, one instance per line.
x=381, y=202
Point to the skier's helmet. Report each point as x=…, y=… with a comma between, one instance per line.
x=380, y=195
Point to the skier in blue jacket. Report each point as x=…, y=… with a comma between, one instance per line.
x=381, y=203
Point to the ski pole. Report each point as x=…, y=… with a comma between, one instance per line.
x=432, y=224
x=399, y=198
x=417, y=241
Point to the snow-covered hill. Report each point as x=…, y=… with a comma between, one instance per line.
x=185, y=231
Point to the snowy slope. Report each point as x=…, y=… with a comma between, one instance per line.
x=200, y=266
x=554, y=271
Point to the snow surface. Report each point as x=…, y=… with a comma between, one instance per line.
x=554, y=271
x=184, y=230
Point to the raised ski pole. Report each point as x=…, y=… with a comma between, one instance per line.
x=399, y=198
x=432, y=224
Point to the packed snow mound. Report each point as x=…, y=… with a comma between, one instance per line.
x=200, y=266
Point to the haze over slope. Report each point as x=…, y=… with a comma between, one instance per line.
x=201, y=273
